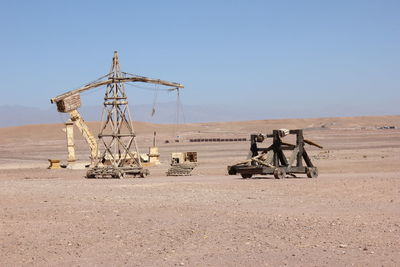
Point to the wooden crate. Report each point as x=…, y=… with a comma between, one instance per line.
x=69, y=103
x=191, y=156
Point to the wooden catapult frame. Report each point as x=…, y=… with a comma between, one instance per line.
x=272, y=159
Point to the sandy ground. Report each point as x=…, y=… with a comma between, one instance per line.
x=348, y=216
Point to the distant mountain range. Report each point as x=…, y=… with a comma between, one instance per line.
x=13, y=115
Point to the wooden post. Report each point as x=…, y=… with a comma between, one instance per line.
x=54, y=164
x=300, y=145
x=276, y=144
x=86, y=133
x=69, y=130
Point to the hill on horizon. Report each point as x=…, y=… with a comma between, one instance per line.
x=50, y=131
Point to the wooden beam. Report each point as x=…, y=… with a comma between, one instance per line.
x=79, y=90
x=115, y=80
x=312, y=143
x=148, y=80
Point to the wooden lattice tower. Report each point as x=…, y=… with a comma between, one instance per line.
x=117, y=143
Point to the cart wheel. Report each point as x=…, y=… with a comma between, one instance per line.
x=279, y=173
x=143, y=173
x=90, y=174
x=246, y=175
x=116, y=174
x=312, y=172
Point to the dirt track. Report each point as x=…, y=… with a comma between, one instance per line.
x=347, y=216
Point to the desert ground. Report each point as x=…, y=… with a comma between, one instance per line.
x=348, y=216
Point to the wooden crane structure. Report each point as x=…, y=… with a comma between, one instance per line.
x=115, y=154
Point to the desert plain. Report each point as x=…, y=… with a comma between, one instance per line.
x=348, y=216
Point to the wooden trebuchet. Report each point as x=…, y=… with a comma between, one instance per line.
x=272, y=160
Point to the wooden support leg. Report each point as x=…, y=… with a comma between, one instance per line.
x=307, y=159
x=69, y=130
x=282, y=158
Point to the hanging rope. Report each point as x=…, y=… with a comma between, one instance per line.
x=97, y=80
x=179, y=110
x=153, y=110
x=181, y=106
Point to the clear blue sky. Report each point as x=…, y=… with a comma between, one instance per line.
x=307, y=54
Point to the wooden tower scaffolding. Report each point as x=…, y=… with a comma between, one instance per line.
x=115, y=154
x=117, y=137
